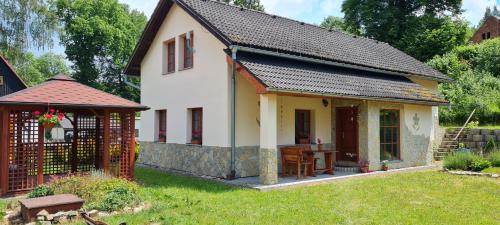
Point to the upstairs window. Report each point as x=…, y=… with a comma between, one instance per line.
x=186, y=55
x=169, y=56
x=483, y=36
x=161, y=116
x=488, y=35
x=389, y=134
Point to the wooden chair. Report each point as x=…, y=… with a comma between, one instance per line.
x=293, y=156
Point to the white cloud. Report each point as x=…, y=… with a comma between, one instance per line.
x=474, y=9
x=289, y=8
x=331, y=6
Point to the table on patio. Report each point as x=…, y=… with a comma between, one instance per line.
x=328, y=162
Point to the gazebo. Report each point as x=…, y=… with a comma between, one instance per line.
x=103, y=134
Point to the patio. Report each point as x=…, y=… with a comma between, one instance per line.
x=103, y=134
x=292, y=182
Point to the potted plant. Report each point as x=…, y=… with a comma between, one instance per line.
x=196, y=138
x=385, y=165
x=320, y=146
x=364, y=166
x=49, y=119
x=162, y=138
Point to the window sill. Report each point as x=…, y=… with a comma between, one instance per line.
x=160, y=142
x=168, y=73
x=187, y=68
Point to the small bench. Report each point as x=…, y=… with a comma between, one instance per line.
x=52, y=204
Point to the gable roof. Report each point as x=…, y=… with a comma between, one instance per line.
x=285, y=75
x=3, y=60
x=64, y=91
x=237, y=26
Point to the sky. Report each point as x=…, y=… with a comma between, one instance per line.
x=309, y=11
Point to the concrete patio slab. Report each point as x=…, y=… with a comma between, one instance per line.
x=292, y=182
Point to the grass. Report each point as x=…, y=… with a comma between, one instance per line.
x=427, y=197
x=492, y=170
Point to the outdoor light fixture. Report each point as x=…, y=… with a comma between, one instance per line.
x=325, y=102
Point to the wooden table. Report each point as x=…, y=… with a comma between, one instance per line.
x=328, y=162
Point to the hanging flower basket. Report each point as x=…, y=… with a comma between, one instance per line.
x=49, y=119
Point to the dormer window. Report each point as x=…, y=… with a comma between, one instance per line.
x=186, y=53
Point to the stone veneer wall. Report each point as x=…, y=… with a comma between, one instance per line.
x=200, y=160
x=476, y=139
x=207, y=160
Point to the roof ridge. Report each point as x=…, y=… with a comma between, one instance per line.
x=294, y=20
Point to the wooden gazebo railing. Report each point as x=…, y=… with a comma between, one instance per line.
x=103, y=136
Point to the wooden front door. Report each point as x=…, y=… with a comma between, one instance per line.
x=347, y=134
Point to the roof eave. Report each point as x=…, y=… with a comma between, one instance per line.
x=368, y=98
x=77, y=106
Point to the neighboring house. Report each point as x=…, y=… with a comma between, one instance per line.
x=10, y=82
x=295, y=83
x=489, y=29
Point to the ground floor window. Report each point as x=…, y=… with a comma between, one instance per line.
x=196, y=126
x=302, y=127
x=162, y=125
x=389, y=134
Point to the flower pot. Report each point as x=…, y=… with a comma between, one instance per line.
x=48, y=126
x=364, y=169
x=385, y=168
x=196, y=142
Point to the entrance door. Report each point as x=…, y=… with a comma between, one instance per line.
x=347, y=134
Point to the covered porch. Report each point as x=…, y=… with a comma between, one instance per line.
x=360, y=115
x=99, y=134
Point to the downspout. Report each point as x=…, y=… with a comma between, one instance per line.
x=234, y=50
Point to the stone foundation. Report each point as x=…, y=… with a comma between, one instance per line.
x=476, y=139
x=268, y=159
x=200, y=160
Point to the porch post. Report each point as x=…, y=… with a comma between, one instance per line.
x=106, y=133
x=4, y=153
x=74, y=144
x=268, y=153
x=132, y=146
x=40, y=158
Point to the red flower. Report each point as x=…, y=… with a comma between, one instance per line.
x=52, y=110
x=48, y=116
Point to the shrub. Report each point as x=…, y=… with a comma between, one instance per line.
x=494, y=158
x=459, y=160
x=95, y=190
x=117, y=199
x=41, y=191
x=490, y=146
x=479, y=164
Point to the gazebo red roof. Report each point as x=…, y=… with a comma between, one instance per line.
x=66, y=92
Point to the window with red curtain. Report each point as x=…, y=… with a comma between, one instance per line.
x=171, y=57
x=302, y=127
x=196, y=125
x=162, y=125
x=188, y=51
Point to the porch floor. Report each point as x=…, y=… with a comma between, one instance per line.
x=291, y=181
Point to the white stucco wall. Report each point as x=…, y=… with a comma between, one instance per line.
x=248, y=116
x=206, y=85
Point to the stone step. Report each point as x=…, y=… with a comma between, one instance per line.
x=350, y=169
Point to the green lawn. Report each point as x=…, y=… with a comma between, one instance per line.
x=492, y=170
x=411, y=198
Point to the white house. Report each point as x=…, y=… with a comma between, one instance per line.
x=229, y=86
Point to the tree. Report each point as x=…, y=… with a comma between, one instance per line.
x=249, y=4
x=334, y=23
x=493, y=11
x=403, y=23
x=25, y=24
x=99, y=36
x=35, y=70
x=476, y=73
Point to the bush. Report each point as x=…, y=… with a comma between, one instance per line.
x=494, y=158
x=96, y=191
x=459, y=160
x=479, y=164
x=41, y=191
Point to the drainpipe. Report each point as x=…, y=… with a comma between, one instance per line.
x=231, y=176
